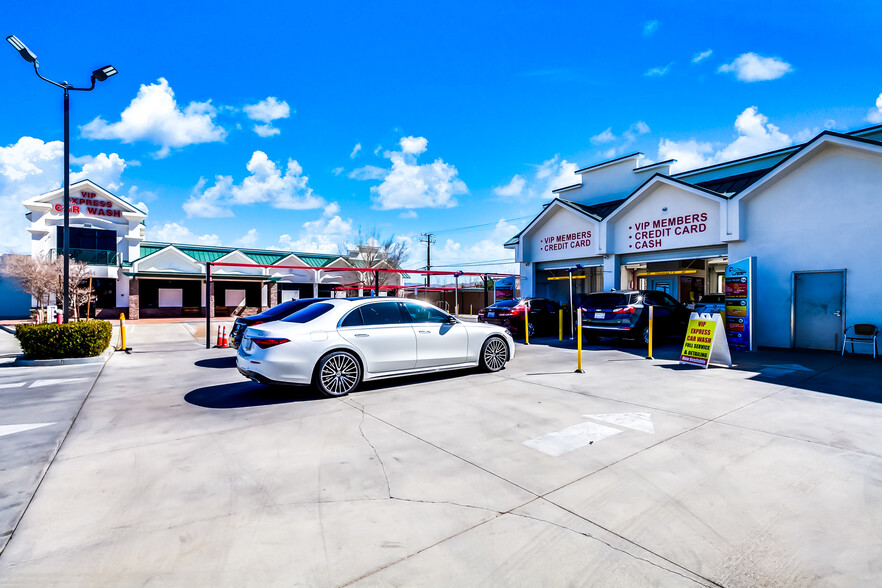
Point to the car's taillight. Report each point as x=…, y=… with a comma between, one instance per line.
x=626, y=310
x=264, y=342
x=516, y=310
x=257, y=322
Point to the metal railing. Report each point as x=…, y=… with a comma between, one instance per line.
x=91, y=256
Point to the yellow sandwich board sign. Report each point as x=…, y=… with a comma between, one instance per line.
x=705, y=341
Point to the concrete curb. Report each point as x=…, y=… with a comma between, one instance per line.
x=21, y=361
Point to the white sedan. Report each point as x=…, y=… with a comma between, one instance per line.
x=338, y=343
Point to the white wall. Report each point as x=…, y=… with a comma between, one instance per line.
x=826, y=214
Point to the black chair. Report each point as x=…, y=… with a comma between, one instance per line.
x=861, y=333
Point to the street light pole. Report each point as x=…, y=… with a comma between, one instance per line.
x=98, y=75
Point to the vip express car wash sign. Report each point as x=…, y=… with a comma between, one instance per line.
x=705, y=341
x=88, y=202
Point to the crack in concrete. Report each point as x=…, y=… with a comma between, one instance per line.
x=619, y=549
x=360, y=407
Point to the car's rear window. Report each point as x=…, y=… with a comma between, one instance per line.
x=311, y=312
x=505, y=304
x=606, y=300
x=286, y=308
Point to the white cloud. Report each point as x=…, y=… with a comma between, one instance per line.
x=266, y=111
x=105, y=170
x=266, y=184
x=657, y=72
x=249, y=239
x=875, y=114
x=154, y=116
x=650, y=27
x=368, y=172
x=699, y=57
x=604, y=137
x=408, y=214
x=755, y=135
x=30, y=167
x=266, y=130
x=355, y=151
x=751, y=67
x=514, y=188
x=323, y=235
x=550, y=175
x=414, y=145
x=178, y=233
x=409, y=184
x=448, y=254
x=337, y=171
x=627, y=138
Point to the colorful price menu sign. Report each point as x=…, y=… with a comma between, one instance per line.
x=705, y=342
x=739, y=303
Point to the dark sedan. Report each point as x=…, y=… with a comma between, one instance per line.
x=276, y=313
x=625, y=313
x=510, y=314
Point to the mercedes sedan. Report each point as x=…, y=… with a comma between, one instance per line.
x=338, y=343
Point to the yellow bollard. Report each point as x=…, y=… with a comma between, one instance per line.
x=471, y=309
x=526, y=325
x=649, y=354
x=579, y=369
x=122, y=332
x=560, y=325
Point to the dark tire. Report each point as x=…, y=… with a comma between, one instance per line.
x=645, y=336
x=337, y=374
x=494, y=354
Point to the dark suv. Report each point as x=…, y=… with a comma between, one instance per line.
x=276, y=313
x=625, y=313
x=510, y=314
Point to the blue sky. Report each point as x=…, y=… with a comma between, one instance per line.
x=293, y=125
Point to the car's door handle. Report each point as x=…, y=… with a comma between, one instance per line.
x=362, y=335
x=425, y=332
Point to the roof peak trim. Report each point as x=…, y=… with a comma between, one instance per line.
x=634, y=155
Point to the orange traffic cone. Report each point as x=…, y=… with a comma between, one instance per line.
x=219, y=340
x=226, y=342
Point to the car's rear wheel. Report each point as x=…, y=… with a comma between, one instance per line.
x=494, y=354
x=337, y=374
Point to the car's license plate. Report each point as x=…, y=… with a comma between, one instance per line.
x=599, y=315
x=491, y=314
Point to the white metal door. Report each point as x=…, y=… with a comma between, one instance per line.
x=818, y=305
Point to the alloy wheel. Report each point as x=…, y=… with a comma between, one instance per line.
x=339, y=374
x=495, y=354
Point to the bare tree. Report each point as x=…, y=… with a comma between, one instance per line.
x=41, y=277
x=372, y=251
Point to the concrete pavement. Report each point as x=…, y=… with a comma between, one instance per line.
x=637, y=472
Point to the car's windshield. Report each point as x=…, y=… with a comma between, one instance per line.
x=311, y=312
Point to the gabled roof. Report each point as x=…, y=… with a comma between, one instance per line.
x=734, y=184
x=105, y=193
x=210, y=253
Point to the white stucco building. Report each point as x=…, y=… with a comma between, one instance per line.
x=144, y=279
x=810, y=215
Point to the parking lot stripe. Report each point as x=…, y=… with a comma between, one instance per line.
x=10, y=429
x=572, y=438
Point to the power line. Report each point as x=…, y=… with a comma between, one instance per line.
x=475, y=227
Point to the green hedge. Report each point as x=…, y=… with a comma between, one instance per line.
x=51, y=341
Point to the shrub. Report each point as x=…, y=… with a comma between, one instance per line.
x=50, y=341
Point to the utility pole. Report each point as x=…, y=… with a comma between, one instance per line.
x=428, y=239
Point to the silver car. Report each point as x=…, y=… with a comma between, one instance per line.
x=338, y=343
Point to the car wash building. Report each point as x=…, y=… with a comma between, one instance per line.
x=145, y=279
x=808, y=218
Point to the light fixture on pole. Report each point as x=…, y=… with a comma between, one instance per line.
x=99, y=75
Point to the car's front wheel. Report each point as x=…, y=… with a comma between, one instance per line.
x=337, y=374
x=494, y=354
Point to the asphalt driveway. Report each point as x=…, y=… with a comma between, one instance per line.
x=638, y=472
